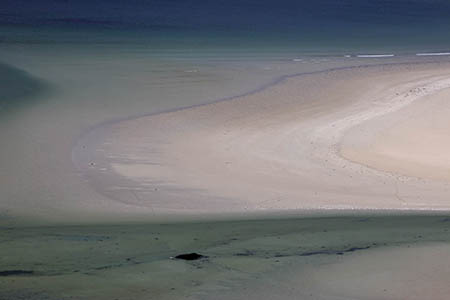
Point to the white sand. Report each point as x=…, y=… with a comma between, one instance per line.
x=278, y=149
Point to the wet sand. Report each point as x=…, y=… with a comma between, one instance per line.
x=353, y=257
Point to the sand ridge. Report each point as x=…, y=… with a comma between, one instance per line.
x=276, y=150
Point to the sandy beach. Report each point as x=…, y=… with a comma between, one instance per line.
x=318, y=141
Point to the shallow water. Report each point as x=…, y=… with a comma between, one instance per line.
x=135, y=261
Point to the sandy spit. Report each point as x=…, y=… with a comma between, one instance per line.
x=319, y=141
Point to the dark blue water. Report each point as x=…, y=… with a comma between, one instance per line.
x=340, y=25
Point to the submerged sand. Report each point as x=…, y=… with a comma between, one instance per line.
x=331, y=140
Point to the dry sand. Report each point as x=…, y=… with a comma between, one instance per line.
x=318, y=141
x=414, y=141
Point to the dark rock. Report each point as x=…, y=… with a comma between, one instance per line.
x=190, y=256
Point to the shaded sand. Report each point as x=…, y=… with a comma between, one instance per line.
x=274, y=150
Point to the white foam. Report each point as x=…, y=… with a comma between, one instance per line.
x=374, y=55
x=433, y=54
x=297, y=59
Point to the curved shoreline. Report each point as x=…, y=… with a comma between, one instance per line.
x=163, y=182
x=261, y=88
